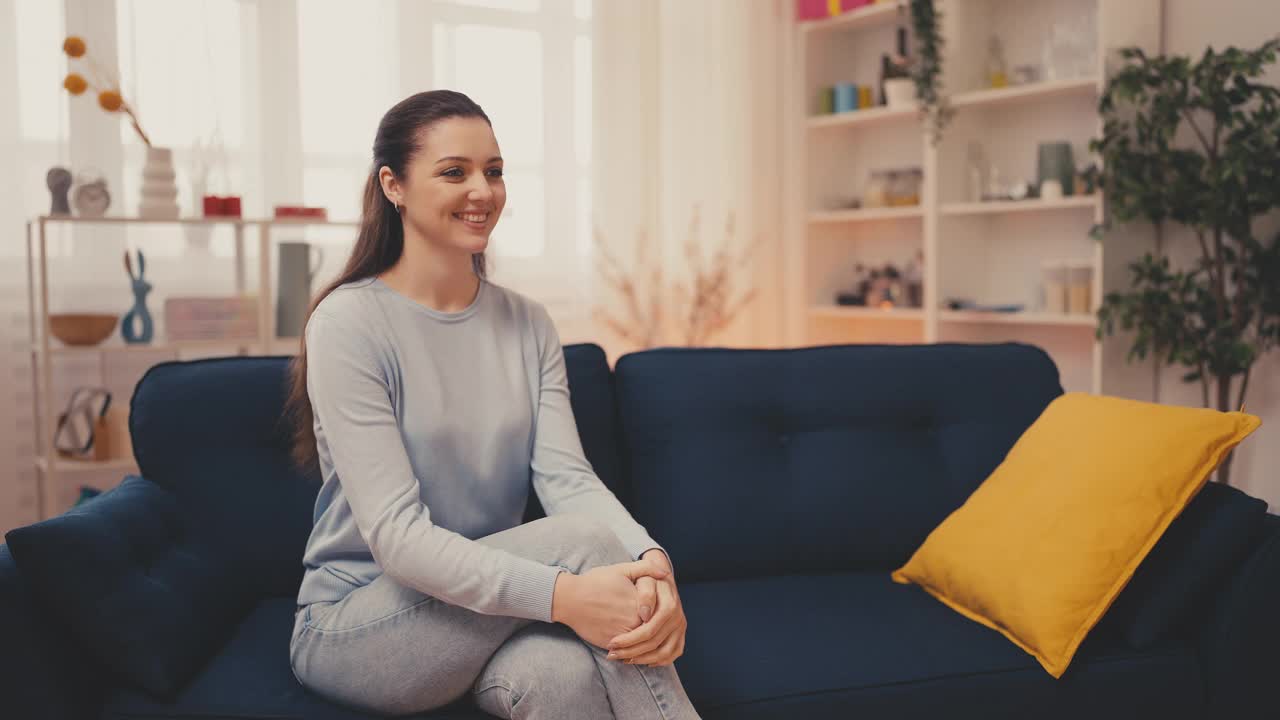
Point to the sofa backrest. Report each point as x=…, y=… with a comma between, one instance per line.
x=596, y=414
x=212, y=432
x=762, y=462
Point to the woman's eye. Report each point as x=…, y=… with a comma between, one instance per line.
x=495, y=172
x=453, y=172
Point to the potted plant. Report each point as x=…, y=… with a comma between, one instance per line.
x=1216, y=316
x=927, y=68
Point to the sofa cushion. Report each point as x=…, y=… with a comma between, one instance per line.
x=43, y=672
x=857, y=645
x=140, y=598
x=761, y=462
x=1044, y=547
x=251, y=678
x=1201, y=548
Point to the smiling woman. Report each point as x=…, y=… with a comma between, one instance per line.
x=449, y=197
x=431, y=400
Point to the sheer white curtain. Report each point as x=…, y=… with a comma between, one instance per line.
x=689, y=115
x=277, y=101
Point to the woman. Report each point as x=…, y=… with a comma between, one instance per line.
x=429, y=398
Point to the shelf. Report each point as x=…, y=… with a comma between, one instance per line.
x=63, y=465
x=865, y=313
x=866, y=214
x=876, y=15
x=862, y=117
x=56, y=348
x=1032, y=91
x=1000, y=207
x=1018, y=318
x=115, y=220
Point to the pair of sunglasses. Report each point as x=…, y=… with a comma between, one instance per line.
x=87, y=405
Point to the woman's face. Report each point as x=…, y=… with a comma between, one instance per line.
x=454, y=191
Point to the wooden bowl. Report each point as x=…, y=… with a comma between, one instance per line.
x=82, y=329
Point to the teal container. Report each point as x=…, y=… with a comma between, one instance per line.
x=846, y=97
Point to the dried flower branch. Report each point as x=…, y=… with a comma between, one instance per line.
x=109, y=96
x=705, y=303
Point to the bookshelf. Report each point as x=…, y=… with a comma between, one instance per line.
x=58, y=478
x=987, y=252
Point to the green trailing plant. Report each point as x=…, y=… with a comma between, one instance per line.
x=927, y=68
x=1197, y=145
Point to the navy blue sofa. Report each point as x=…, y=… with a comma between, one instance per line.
x=786, y=484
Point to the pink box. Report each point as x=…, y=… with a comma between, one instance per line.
x=211, y=318
x=818, y=9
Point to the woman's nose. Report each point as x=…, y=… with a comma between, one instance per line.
x=480, y=190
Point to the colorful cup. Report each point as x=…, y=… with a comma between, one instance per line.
x=826, y=101
x=846, y=97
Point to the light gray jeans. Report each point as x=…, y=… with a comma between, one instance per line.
x=388, y=649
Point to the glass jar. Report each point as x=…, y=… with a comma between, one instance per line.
x=876, y=192
x=904, y=187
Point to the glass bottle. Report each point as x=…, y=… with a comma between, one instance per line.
x=997, y=71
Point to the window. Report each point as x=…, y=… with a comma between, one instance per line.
x=43, y=106
x=526, y=62
x=349, y=68
x=511, y=93
x=181, y=66
x=518, y=5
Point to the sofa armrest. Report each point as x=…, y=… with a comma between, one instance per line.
x=1237, y=641
x=43, y=675
x=146, y=596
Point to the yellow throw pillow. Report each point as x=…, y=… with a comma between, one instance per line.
x=1043, y=547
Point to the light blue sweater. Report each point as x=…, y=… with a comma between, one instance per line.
x=430, y=427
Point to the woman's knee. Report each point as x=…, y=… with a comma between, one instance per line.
x=543, y=671
x=595, y=542
x=572, y=541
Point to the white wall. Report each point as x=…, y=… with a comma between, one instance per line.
x=1189, y=27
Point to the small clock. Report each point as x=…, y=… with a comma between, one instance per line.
x=91, y=197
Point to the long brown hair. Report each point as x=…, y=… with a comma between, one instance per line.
x=381, y=238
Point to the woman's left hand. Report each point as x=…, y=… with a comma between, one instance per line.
x=660, y=639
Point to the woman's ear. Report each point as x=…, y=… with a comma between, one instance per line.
x=390, y=186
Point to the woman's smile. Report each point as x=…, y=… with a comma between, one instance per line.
x=477, y=221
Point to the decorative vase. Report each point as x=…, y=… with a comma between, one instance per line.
x=298, y=264
x=899, y=92
x=1054, y=162
x=59, y=181
x=139, y=311
x=159, y=191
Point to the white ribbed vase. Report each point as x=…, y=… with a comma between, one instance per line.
x=159, y=191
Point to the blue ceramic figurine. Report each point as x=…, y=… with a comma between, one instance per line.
x=139, y=310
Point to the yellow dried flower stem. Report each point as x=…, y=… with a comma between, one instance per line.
x=133, y=120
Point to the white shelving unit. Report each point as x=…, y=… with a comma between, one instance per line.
x=51, y=468
x=865, y=215
x=986, y=252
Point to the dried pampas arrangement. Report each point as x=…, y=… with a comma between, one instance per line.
x=698, y=309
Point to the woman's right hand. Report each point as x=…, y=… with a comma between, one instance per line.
x=601, y=603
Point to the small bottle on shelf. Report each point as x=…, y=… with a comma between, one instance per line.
x=997, y=71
